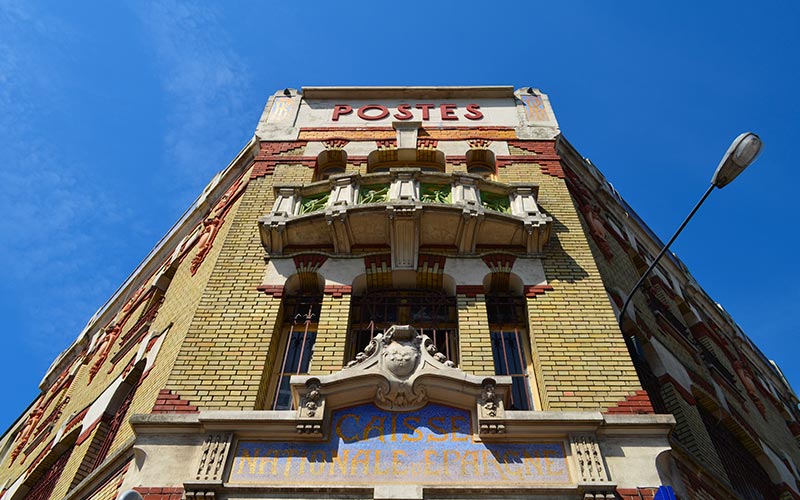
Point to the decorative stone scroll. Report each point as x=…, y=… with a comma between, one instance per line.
x=212, y=459
x=311, y=410
x=401, y=354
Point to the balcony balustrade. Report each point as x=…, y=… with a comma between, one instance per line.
x=405, y=208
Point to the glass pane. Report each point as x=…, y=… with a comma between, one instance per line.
x=509, y=359
x=299, y=349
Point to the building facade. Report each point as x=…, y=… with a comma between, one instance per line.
x=407, y=293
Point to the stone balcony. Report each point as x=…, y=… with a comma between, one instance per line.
x=405, y=209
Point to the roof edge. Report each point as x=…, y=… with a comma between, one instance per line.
x=497, y=91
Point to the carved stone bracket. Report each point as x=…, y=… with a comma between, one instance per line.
x=491, y=409
x=404, y=223
x=213, y=457
x=600, y=495
x=468, y=227
x=311, y=409
x=537, y=225
x=339, y=227
x=273, y=226
x=588, y=459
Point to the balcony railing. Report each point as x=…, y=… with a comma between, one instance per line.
x=408, y=190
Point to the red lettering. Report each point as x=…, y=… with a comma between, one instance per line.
x=473, y=113
x=426, y=110
x=448, y=111
x=341, y=109
x=404, y=112
x=362, y=112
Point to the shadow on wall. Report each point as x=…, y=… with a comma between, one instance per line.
x=558, y=263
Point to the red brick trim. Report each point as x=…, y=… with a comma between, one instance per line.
x=169, y=402
x=546, y=158
x=160, y=493
x=532, y=291
x=499, y=262
x=635, y=404
x=266, y=166
x=310, y=262
x=546, y=148
x=378, y=262
x=637, y=493
x=337, y=290
x=471, y=291
x=423, y=142
x=274, y=290
x=76, y=419
x=335, y=143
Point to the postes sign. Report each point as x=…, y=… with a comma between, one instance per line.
x=425, y=111
x=433, y=445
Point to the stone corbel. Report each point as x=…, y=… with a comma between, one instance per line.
x=339, y=227
x=273, y=226
x=344, y=189
x=405, y=186
x=287, y=201
x=537, y=225
x=523, y=200
x=311, y=409
x=404, y=230
x=465, y=190
x=468, y=226
x=491, y=410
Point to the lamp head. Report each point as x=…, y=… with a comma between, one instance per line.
x=741, y=153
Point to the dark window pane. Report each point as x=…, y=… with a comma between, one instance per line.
x=509, y=359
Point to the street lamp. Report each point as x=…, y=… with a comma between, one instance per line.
x=741, y=153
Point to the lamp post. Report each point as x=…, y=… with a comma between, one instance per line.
x=741, y=153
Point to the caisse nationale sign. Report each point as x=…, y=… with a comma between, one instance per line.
x=368, y=445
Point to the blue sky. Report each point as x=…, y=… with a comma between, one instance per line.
x=114, y=115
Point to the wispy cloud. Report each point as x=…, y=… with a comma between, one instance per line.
x=50, y=214
x=204, y=79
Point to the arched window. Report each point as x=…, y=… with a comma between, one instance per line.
x=481, y=161
x=110, y=424
x=330, y=162
x=431, y=312
x=508, y=327
x=301, y=312
x=746, y=475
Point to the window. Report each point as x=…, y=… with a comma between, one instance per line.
x=431, y=312
x=326, y=173
x=486, y=172
x=746, y=475
x=110, y=423
x=47, y=478
x=508, y=331
x=300, y=320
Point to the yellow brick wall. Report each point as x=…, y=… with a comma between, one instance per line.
x=580, y=358
x=473, y=335
x=180, y=301
x=331, y=348
x=222, y=361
